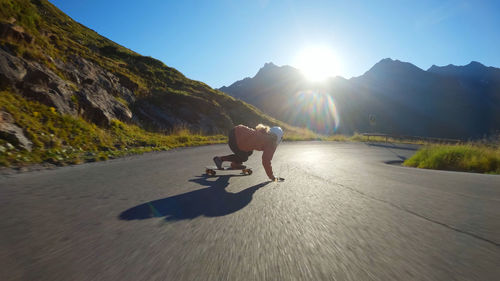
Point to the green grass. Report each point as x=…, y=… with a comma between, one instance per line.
x=63, y=139
x=479, y=158
x=57, y=36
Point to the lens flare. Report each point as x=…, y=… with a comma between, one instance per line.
x=314, y=110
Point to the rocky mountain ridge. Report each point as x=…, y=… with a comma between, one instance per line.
x=400, y=98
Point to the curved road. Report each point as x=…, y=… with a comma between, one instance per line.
x=341, y=214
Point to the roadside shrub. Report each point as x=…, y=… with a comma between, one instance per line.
x=468, y=158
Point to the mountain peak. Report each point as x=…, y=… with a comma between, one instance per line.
x=475, y=64
x=387, y=60
x=388, y=65
x=433, y=68
x=384, y=62
x=268, y=68
x=269, y=64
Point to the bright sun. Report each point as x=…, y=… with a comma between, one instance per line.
x=317, y=63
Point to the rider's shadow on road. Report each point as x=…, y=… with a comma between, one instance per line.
x=213, y=201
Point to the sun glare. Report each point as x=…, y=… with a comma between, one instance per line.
x=315, y=111
x=317, y=63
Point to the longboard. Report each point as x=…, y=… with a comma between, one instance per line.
x=211, y=170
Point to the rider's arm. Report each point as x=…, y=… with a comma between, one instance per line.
x=267, y=156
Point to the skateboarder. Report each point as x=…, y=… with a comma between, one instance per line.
x=244, y=140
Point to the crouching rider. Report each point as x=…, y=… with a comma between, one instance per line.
x=244, y=140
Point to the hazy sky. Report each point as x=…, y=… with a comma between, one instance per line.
x=219, y=42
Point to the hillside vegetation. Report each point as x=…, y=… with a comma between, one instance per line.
x=478, y=158
x=69, y=95
x=63, y=139
x=57, y=41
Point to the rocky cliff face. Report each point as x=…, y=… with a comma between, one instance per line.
x=47, y=57
x=90, y=91
x=12, y=133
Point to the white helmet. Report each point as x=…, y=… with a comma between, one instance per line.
x=278, y=132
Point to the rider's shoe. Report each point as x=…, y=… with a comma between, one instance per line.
x=218, y=162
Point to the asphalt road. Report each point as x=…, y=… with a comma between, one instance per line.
x=341, y=214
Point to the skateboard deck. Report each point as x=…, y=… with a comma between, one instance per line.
x=211, y=170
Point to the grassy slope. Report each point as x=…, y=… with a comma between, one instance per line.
x=58, y=36
x=63, y=139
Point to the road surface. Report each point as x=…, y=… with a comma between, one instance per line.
x=342, y=213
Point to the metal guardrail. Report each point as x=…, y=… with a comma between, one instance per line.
x=403, y=137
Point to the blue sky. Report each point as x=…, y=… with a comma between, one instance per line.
x=219, y=42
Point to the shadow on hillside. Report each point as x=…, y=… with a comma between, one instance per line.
x=212, y=201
